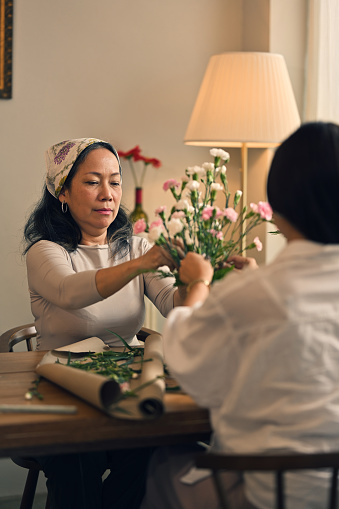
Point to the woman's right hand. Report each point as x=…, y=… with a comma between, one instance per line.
x=111, y=279
x=156, y=257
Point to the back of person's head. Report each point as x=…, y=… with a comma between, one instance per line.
x=303, y=181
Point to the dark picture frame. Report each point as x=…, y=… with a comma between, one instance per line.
x=6, y=48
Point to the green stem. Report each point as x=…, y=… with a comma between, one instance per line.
x=133, y=172
x=143, y=175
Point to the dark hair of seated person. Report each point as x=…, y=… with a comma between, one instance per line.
x=303, y=182
x=48, y=222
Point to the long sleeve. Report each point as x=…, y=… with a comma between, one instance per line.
x=67, y=306
x=51, y=275
x=199, y=341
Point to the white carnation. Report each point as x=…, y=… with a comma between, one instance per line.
x=218, y=152
x=155, y=233
x=174, y=226
x=191, y=170
x=216, y=187
x=208, y=166
x=201, y=172
x=193, y=185
x=182, y=205
x=222, y=169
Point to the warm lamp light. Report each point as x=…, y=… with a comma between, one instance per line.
x=245, y=100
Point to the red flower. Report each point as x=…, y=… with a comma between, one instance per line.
x=133, y=153
x=148, y=160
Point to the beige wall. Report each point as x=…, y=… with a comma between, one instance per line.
x=126, y=71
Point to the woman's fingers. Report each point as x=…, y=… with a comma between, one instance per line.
x=156, y=257
x=180, y=248
x=195, y=266
x=241, y=262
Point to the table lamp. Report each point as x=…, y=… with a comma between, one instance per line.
x=245, y=100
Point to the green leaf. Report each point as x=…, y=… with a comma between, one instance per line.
x=122, y=339
x=221, y=273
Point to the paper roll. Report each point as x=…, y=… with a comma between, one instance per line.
x=103, y=392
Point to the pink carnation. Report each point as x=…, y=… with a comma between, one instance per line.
x=178, y=214
x=156, y=224
x=219, y=212
x=170, y=183
x=257, y=243
x=125, y=387
x=139, y=226
x=160, y=209
x=231, y=214
x=207, y=213
x=217, y=235
x=265, y=210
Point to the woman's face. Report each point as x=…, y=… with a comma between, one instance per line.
x=94, y=195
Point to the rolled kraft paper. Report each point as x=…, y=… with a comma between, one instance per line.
x=151, y=396
x=95, y=389
x=100, y=391
x=105, y=393
x=149, y=403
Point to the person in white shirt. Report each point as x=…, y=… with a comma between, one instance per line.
x=260, y=349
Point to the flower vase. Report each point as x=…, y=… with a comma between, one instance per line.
x=138, y=212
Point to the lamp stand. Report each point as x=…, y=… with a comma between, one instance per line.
x=244, y=167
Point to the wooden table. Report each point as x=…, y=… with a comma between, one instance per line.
x=89, y=429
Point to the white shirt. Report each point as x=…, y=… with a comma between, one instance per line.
x=262, y=353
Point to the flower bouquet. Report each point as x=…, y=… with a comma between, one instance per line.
x=195, y=223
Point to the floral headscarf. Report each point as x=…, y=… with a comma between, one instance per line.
x=60, y=159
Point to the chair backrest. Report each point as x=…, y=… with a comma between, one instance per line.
x=277, y=463
x=14, y=336
x=26, y=332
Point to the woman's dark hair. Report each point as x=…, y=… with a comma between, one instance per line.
x=303, y=181
x=48, y=222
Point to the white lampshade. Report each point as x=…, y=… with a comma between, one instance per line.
x=244, y=97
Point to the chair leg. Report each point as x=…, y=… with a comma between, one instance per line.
x=29, y=490
x=220, y=489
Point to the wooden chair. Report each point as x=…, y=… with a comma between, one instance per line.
x=16, y=335
x=278, y=464
x=8, y=340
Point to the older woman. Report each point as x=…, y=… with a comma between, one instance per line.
x=87, y=274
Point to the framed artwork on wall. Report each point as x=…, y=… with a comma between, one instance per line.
x=6, y=46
